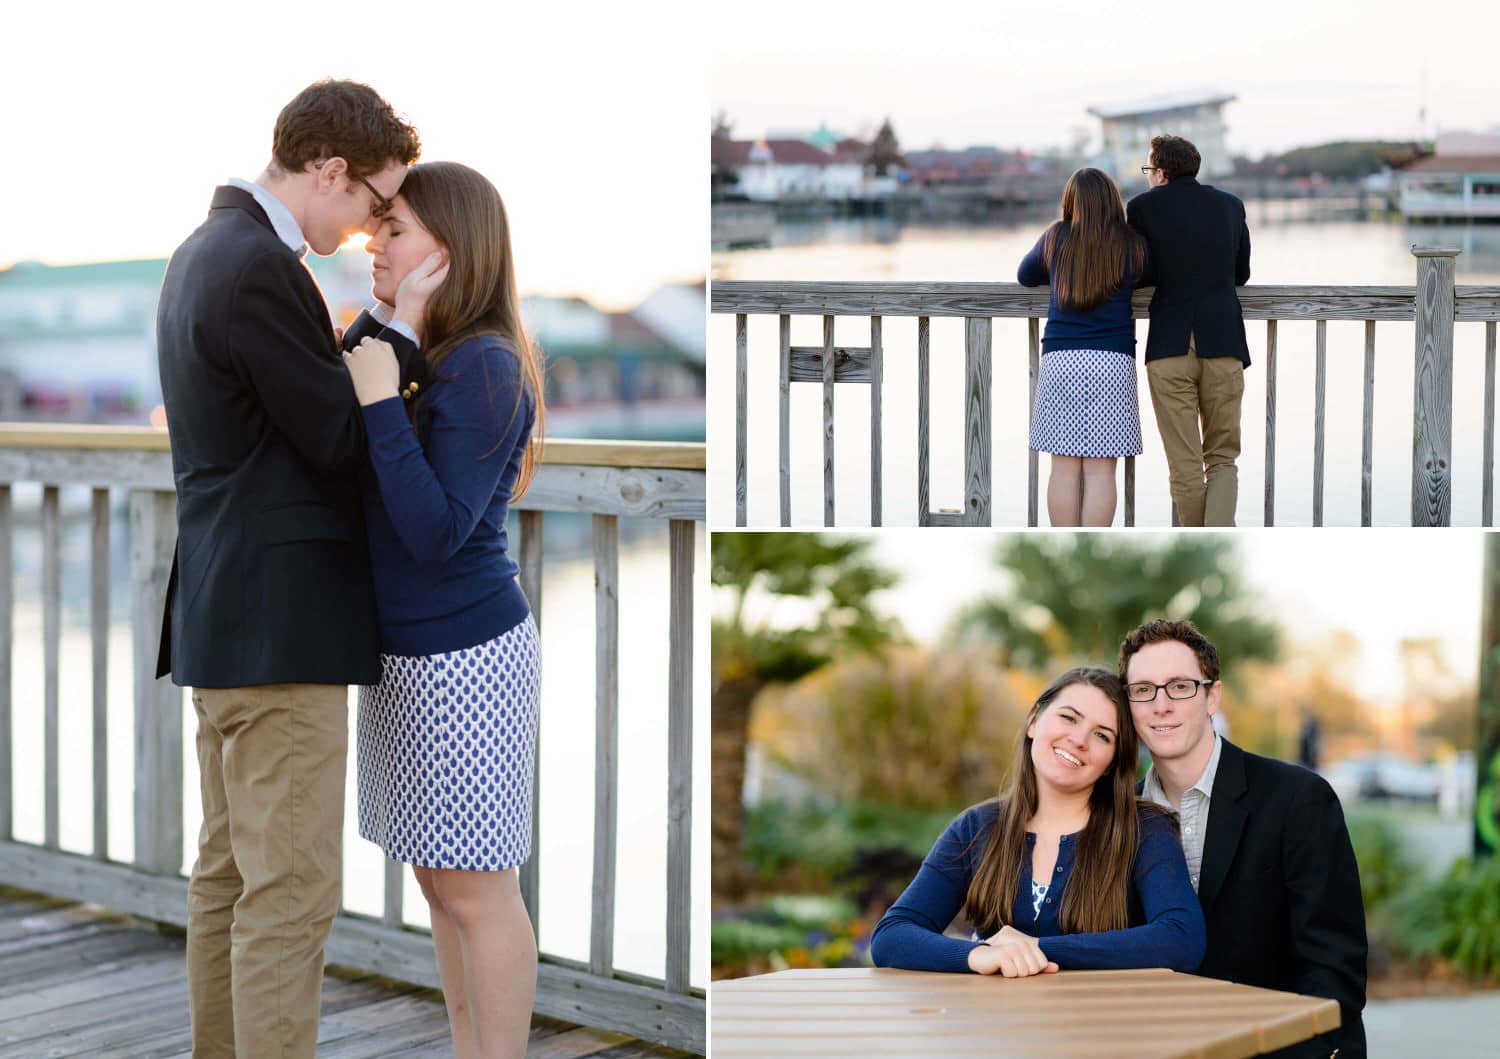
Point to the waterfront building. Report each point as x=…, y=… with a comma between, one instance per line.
x=1197, y=116
x=1459, y=181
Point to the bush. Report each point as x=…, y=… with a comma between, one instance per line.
x=790, y=931
x=823, y=842
x=1384, y=868
x=1454, y=919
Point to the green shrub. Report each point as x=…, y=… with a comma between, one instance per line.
x=822, y=840
x=1454, y=918
x=735, y=940
x=1384, y=868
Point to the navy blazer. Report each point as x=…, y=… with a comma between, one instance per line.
x=1200, y=251
x=270, y=581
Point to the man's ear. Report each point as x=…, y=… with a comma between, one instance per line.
x=330, y=171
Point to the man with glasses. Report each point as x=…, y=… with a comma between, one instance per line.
x=1196, y=353
x=270, y=612
x=1266, y=846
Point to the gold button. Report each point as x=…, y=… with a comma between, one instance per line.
x=414, y=386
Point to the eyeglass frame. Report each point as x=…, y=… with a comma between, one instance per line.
x=1155, y=688
x=1147, y=170
x=382, y=205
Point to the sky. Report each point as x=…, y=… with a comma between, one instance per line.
x=1383, y=585
x=122, y=118
x=956, y=73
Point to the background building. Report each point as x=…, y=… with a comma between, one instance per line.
x=1129, y=127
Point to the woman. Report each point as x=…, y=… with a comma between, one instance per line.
x=447, y=738
x=1065, y=870
x=1086, y=413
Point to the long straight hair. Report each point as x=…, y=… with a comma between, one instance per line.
x=1097, y=894
x=464, y=213
x=1098, y=248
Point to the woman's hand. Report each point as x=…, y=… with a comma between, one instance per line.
x=374, y=370
x=417, y=287
x=1018, y=958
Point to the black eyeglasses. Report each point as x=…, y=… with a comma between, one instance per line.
x=1149, y=169
x=1181, y=688
x=382, y=205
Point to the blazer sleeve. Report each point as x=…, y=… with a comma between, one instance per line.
x=1173, y=936
x=1242, y=255
x=436, y=496
x=292, y=363
x=1325, y=910
x=910, y=934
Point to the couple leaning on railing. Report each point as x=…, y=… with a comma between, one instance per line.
x=343, y=522
x=1221, y=862
x=1191, y=243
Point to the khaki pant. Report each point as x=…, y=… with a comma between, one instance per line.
x=1197, y=406
x=266, y=885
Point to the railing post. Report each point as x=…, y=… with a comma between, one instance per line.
x=158, y=703
x=1432, y=410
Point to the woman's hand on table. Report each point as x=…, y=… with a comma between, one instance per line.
x=1010, y=953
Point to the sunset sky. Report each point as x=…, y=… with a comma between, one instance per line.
x=1023, y=75
x=121, y=119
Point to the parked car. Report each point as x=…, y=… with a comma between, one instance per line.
x=1385, y=777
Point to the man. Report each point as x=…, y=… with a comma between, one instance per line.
x=270, y=611
x=1266, y=845
x=1196, y=353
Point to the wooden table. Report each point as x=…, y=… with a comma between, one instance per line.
x=862, y=1011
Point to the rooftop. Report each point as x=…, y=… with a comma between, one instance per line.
x=1161, y=104
x=1455, y=163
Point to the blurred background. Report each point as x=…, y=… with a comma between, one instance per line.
x=868, y=688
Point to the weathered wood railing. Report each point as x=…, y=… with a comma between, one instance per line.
x=605, y=479
x=1434, y=304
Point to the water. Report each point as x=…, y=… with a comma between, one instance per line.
x=1287, y=247
x=566, y=797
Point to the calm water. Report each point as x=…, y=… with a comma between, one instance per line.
x=1285, y=250
x=566, y=798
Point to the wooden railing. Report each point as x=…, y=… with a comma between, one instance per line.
x=1434, y=304
x=608, y=480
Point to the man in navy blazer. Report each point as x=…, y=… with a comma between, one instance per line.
x=1196, y=352
x=270, y=611
x=1265, y=841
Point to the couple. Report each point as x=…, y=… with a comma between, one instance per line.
x=1221, y=862
x=341, y=520
x=1189, y=241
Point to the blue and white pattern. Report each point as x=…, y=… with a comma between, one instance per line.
x=1038, y=895
x=1086, y=405
x=447, y=745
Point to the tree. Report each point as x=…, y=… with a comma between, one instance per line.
x=1075, y=596
x=722, y=173
x=885, y=152
x=835, y=579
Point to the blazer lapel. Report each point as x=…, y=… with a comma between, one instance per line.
x=1226, y=822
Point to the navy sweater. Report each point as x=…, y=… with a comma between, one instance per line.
x=1108, y=325
x=435, y=507
x=1166, y=920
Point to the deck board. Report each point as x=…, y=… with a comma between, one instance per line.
x=76, y=980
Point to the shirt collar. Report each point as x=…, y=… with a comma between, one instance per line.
x=1152, y=790
x=285, y=225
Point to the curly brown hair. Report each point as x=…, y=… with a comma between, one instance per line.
x=343, y=119
x=1175, y=157
x=1162, y=631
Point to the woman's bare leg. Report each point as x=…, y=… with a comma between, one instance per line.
x=1098, y=492
x=450, y=962
x=1062, y=490
x=499, y=956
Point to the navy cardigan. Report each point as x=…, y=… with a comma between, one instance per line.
x=1108, y=325
x=1166, y=922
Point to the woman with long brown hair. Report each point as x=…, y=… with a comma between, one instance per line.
x=1065, y=870
x=447, y=739
x=1086, y=413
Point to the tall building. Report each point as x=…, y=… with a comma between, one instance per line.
x=1196, y=116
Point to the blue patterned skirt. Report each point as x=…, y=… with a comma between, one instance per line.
x=447, y=745
x=1086, y=405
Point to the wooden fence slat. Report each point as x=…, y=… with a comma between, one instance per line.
x=7, y=643
x=1320, y=394
x=924, y=422
x=850, y=364
x=51, y=647
x=1033, y=372
x=606, y=740
x=158, y=702
x=1432, y=405
x=395, y=878
x=1270, y=422
x=99, y=641
x=784, y=439
x=683, y=547
x=531, y=586
x=978, y=421
x=877, y=382
x=1129, y=491
x=741, y=421
x=1367, y=445
x=1488, y=505
x=828, y=378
